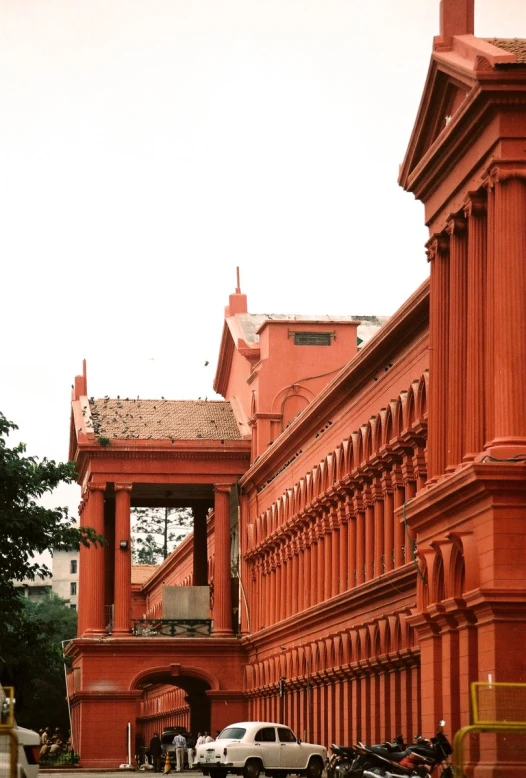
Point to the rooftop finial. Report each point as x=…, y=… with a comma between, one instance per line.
x=457, y=17
x=237, y=302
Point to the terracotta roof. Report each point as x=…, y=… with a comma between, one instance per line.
x=164, y=419
x=516, y=46
x=141, y=573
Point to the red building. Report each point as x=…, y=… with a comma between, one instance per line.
x=359, y=512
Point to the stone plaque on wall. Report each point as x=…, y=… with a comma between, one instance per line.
x=186, y=602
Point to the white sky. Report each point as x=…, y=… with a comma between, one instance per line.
x=148, y=148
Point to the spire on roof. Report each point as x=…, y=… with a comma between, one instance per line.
x=80, y=387
x=457, y=17
x=237, y=302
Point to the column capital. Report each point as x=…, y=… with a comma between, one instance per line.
x=123, y=487
x=456, y=223
x=223, y=488
x=475, y=203
x=501, y=171
x=437, y=246
x=94, y=487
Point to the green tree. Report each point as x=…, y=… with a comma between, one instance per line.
x=157, y=531
x=27, y=528
x=33, y=657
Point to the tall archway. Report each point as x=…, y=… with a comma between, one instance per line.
x=155, y=684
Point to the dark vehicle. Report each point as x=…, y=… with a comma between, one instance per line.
x=343, y=764
x=417, y=760
x=167, y=737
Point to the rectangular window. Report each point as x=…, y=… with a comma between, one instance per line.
x=73, y=587
x=312, y=338
x=73, y=607
x=73, y=566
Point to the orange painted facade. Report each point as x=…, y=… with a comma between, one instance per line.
x=360, y=519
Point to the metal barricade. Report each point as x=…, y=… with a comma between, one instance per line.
x=496, y=707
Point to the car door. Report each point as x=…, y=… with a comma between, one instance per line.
x=267, y=747
x=291, y=753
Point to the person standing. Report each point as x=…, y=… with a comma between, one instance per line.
x=156, y=751
x=190, y=746
x=179, y=742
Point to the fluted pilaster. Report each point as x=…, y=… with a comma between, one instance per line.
x=122, y=579
x=92, y=560
x=438, y=255
x=222, y=577
x=455, y=434
x=508, y=278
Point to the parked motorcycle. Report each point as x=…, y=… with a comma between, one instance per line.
x=391, y=759
x=418, y=760
x=344, y=762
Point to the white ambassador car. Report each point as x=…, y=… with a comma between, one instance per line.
x=252, y=747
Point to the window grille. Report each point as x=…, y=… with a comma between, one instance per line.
x=313, y=338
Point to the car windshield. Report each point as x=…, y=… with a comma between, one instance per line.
x=231, y=733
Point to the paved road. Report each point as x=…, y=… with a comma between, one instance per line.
x=64, y=773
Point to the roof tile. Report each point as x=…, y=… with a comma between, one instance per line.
x=516, y=46
x=164, y=419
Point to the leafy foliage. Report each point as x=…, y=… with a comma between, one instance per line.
x=32, y=660
x=157, y=531
x=27, y=528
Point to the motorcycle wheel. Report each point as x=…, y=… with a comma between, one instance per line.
x=342, y=769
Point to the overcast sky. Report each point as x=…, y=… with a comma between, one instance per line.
x=149, y=148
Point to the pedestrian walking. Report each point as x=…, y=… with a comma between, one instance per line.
x=179, y=742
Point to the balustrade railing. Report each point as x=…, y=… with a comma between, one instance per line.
x=146, y=628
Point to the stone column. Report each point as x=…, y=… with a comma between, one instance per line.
x=455, y=437
x=222, y=577
x=399, y=527
x=295, y=589
x=335, y=551
x=438, y=255
x=279, y=582
x=387, y=492
x=302, y=563
x=328, y=572
x=343, y=524
x=508, y=276
x=378, y=508
x=91, y=566
x=122, y=570
x=475, y=212
x=313, y=588
x=200, y=561
x=82, y=598
x=359, y=538
x=369, y=534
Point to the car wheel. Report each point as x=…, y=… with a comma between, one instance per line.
x=315, y=768
x=252, y=769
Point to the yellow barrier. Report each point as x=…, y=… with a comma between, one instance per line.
x=7, y=706
x=496, y=707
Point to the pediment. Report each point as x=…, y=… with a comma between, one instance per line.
x=442, y=100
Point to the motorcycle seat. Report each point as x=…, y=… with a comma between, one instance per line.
x=349, y=750
x=392, y=756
